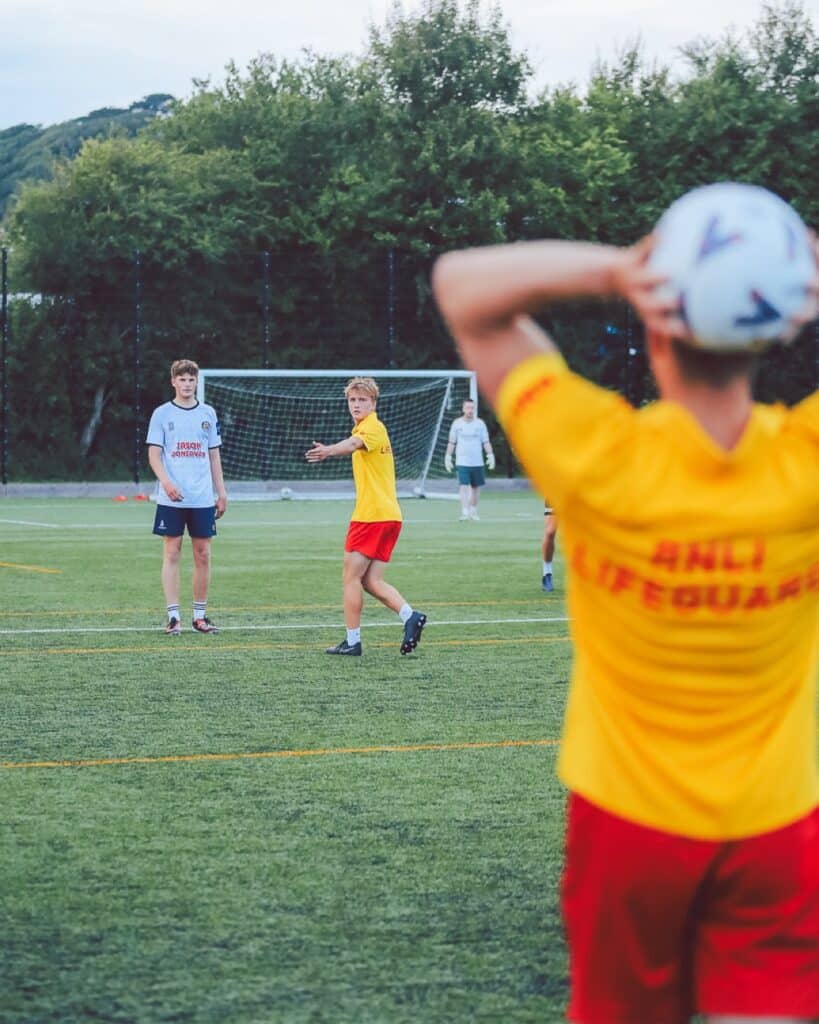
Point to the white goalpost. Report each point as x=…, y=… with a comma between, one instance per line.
x=269, y=418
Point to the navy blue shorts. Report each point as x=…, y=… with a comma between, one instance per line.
x=471, y=476
x=171, y=522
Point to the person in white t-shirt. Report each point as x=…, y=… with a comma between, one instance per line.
x=183, y=451
x=469, y=440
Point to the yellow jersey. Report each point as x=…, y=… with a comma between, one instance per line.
x=693, y=594
x=374, y=474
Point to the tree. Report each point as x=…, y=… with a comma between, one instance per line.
x=349, y=176
x=447, y=169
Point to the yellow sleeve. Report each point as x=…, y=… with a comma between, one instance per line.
x=371, y=432
x=560, y=425
x=805, y=417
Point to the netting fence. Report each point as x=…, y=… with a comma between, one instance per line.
x=83, y=369
x=274, y=416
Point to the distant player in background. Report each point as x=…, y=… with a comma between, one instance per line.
x=691, y=883
x=547, y=549
x=469, y=440
x=376, y=520
x=183, y=451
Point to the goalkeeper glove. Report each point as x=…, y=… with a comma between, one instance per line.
x=490, y=460
x=448, y=462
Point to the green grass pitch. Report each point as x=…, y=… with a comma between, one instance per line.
x=239, y=828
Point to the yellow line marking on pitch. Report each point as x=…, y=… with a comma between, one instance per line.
x=175, y=645
x=28, y=568
x=230, y=609
x=269, y=754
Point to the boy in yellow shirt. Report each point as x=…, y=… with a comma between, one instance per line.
x=376, y=520
x=691, y=528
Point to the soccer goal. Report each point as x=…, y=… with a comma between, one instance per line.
x=269, y=418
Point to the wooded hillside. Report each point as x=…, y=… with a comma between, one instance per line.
x=28, y=152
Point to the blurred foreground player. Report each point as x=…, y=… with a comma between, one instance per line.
x=691, y=529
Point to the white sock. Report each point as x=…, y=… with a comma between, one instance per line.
x=353, y=637
x=199, y=609
x=547, y=568
x=173, y=612
x=405, y=612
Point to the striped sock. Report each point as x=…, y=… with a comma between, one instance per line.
x=199, y=610
x=173, y=612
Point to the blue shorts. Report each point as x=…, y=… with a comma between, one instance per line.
x=170, y=521
x=471, y=476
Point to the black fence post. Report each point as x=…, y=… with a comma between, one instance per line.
x=631, y=352
x=137, y=363
x=4, y=360
x=391, y=308
x=266, y=307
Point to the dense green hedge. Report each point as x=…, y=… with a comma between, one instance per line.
x=353, y=175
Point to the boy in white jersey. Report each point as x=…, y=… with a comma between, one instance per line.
x=469, y=440
x=183, y=451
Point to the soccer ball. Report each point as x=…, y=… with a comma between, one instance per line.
x=739, y=260
x=286, y=493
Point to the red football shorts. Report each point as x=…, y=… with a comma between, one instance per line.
x=373, y=540
x=661, y=927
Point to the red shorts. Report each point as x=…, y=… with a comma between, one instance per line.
x=373, y=540
x=661, y=927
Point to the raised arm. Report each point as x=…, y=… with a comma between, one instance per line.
x=487, y=297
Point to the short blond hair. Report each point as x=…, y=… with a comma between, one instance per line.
x=182, y=367
x=365, y=384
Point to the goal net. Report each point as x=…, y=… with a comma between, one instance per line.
x=269, y=418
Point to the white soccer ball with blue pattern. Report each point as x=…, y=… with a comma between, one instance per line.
x=739, y=260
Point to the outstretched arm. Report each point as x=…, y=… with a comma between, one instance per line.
x=319, y=452
x=487, y=297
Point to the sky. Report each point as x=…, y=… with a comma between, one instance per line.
x=60, y=59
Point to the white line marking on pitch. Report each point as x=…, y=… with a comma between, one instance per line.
x=275, y=628
x=145, y=527
x=28, y=522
